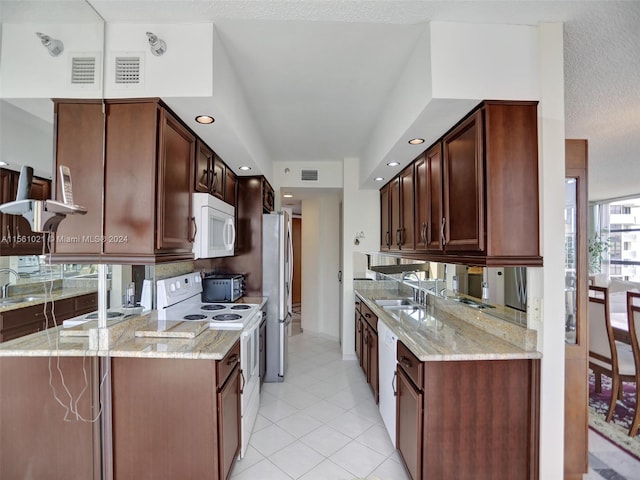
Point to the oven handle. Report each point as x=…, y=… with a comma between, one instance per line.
x=242, y=386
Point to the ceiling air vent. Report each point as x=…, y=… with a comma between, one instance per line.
x=309, y=175
x=127, y=70
x=83, y=70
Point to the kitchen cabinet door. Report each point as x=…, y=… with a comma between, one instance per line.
x=203, y=178
x=175, y=223
x=230, y=187
x=263, y=350
x=79, y=144
x=358, y=337
x=217, y=184
x=385, y=220
x=463, y=203
x=409, y=424
x=406, y=198
x=428, y=200
x=229, y=423
x=394, y=215
x=6, y=220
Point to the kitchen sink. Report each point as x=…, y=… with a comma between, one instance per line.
x=472, y=303
x=394, y=302
x=14, y=300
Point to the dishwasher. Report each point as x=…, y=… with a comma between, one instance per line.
x=387, y=376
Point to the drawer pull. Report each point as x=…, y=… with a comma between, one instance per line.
x=232, y=359
x=406, y=361
x=367, y=315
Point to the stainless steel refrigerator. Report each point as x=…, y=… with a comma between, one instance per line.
x=277, y=272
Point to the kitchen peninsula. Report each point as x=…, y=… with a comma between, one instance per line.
x=466, y=388
x=145, y=407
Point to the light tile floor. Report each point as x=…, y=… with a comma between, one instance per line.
x=321, y=423
x=607, y=461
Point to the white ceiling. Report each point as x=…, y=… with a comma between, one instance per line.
x=316, y=74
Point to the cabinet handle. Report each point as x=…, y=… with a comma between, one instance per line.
x=398, y=237
x=424, y=232
x=444, y=240
x=368, y=315
x=393, y=384
x=242, y=386
x=406, y=361
x=195, y=229
x=366, y=339
x=387, y=239
x=233, y=359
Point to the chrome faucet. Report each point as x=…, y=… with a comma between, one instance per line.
x=6, y=285
x=416, y=291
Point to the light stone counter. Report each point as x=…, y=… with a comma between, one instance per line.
x=433, y=334
x=119, y=340
x=41, y=295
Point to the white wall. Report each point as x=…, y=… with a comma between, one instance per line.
x=185, y=69
x=28, y=71
x=547, y=284
x=320, y=264
x=361, y=213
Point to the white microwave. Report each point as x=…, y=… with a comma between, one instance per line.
x=215, y=227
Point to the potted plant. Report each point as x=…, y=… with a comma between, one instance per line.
x=598, y=246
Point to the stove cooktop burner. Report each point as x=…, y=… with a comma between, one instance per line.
x=241, y=307
x=93, y=316
x=227, y=317
x=213, y=307
x=195, y=317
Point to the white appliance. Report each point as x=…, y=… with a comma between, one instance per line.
x=277, y=273
x=180, y=298
x=387, y=359
x=215, y=227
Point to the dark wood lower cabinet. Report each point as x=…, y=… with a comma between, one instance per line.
x=175, y=418
x=409, y=424
x=472, y=420
x=229, y=422
x=39, y=438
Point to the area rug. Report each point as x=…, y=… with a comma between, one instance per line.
x=617, y=429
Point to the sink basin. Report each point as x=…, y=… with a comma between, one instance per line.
x=472, y=303
x=14, y=300
x=394, y=302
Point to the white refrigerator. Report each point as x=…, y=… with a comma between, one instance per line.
x=277, y=273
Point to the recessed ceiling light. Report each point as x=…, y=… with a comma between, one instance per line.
x=379, y=179
x=287, y=195
x=416, y=141
x=245, y=168
x=205, y=119
x=393, y=164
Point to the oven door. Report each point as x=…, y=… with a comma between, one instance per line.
x=250, y=358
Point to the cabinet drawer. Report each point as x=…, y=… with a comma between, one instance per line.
x=86, y=303
x=23, y=316
x=411, y=365
x=225, y=366
x=369, y=316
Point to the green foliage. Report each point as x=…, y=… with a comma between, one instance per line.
x=598, y=246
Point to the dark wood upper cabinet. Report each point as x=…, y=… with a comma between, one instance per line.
x=406, y=198
x=79, y=144
x=428, y=203
x=230, y=187
x=203, y=177
x=16, y=236
x=476, y=192
x=219, y=173
x=268, y=197
x=385, y=218
x=463, y=198
x=138, y=198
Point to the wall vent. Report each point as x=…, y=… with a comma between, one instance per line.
x=309, y=175
x=127, y=70
x=83, y=70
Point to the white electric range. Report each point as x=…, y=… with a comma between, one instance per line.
x=180, y=298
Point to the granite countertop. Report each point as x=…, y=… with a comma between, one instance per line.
x=435, y=335
x=119, y=339
x=40, y=296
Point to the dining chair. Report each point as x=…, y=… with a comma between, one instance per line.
x=604, y=356
x=633, y=319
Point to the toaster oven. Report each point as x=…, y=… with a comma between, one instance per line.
x=222, y=287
